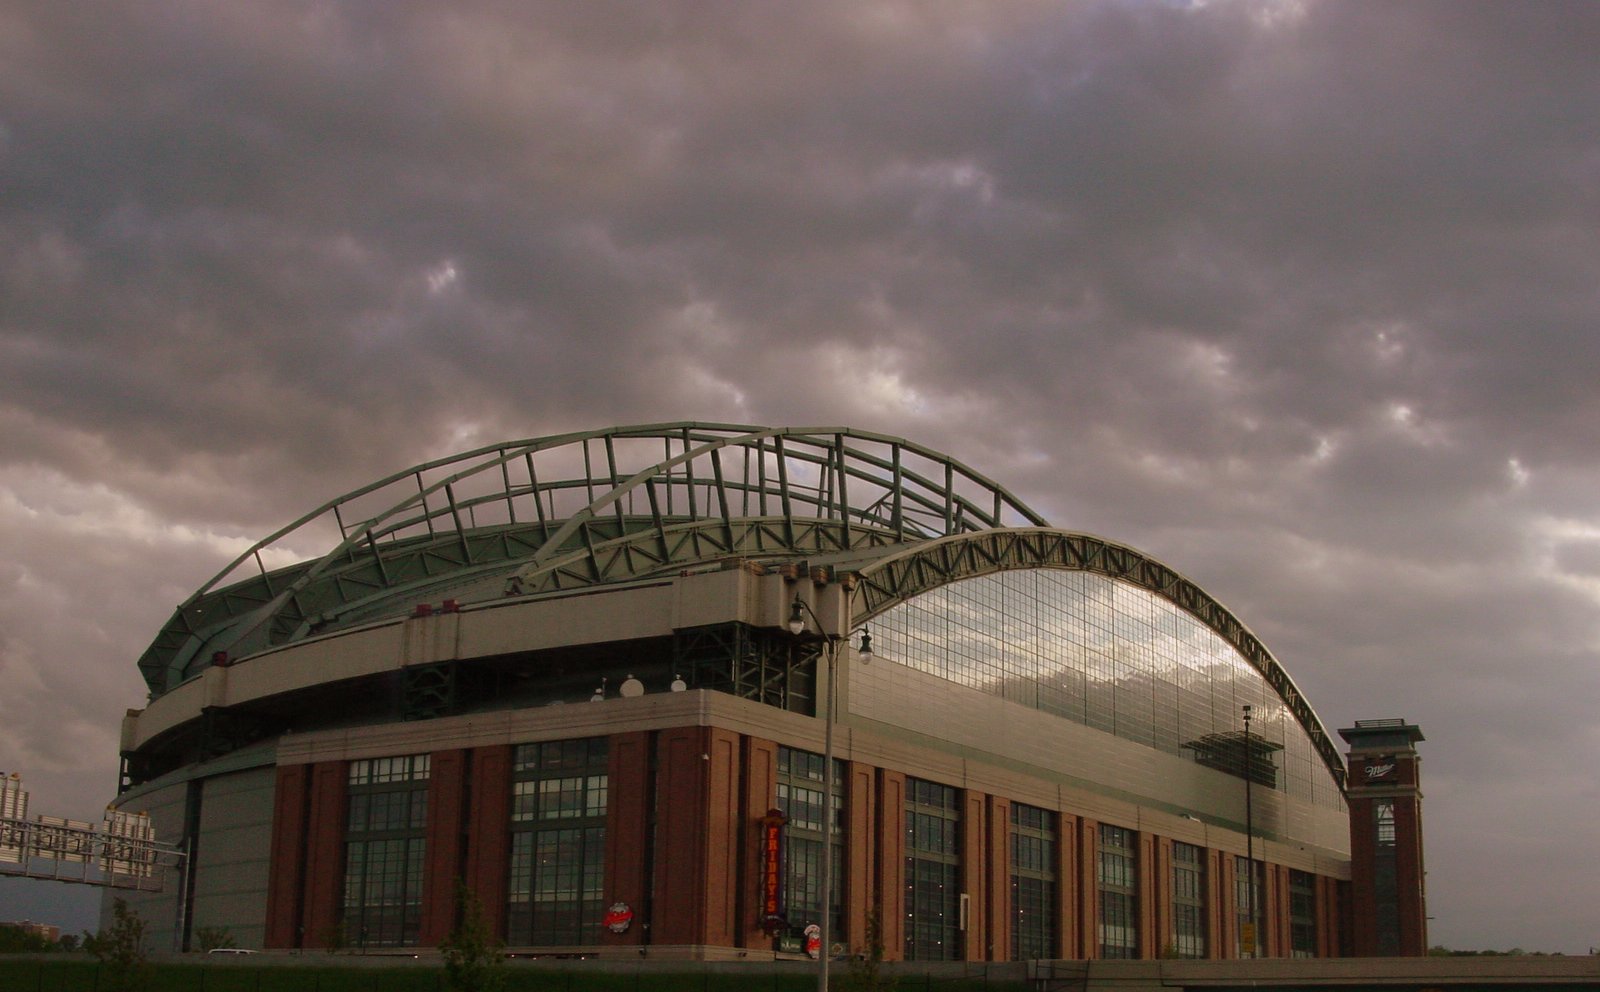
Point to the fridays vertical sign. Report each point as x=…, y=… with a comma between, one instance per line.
x=772, y=870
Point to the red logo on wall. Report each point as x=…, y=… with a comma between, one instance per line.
x=772, y=870
x=618, y=917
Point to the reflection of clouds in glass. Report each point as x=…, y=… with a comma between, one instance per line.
x=1100, y=652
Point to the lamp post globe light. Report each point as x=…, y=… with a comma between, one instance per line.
x=832, y=642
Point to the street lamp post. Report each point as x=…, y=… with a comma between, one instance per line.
x=1249, y=839
x=831, y=642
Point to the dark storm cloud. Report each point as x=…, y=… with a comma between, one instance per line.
x=1298, y=297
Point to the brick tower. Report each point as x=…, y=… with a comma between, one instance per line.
x=1388, y=907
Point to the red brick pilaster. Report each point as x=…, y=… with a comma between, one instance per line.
x=447, y=783
x=1327, y=918
x=1069, y=886
x=760, y=792
x=679, y=900
x=1088, y=887
x=997, y=896
x=487, y=865
x=860, y=894
x=891, y=862
x=1145, y=846
x=974, y=874
x=1161, y=897
x=722, y=839
x=628, y=802
x=1227, y=904
x=286, y=861
x=1278, y=904
x=325, y=834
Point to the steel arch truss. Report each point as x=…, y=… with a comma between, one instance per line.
x=578, y=509
x=900, y=577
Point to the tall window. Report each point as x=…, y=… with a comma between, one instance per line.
x=384, y=850
x=1302, y=914
x=1247, y=887
x=1118, y=878
x=1033, y=883
x=933, y=872
x=1188, y=900
x=800, y=784
x=1385, y=879
x=558, y=843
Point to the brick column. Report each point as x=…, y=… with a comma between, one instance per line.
x=723, y=837
x=679, y=900
x=488, y=856
x=1069, y=888
x=1279, y=905
x=860, y=892
x=1327, y=918
x=1161, y=895
x=974, y=874
x=1088, y=887
x=1146, y=888
x=628, y=811
x=759, y=790
x=286, y=860
x=325, y=834
x=447, y=787
x=891, y=862
x=1228, y=904
x=997, y=899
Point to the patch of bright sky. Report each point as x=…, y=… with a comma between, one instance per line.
x=442, y=276
x=1389, y=343
x=1403, y=417
x=1550, y=534
x=870, y=380
x=96, y=510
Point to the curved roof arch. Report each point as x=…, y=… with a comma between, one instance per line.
x=584, y=508
x=545, y=515
x=902, y=575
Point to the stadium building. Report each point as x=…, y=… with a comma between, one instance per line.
x=595, y=678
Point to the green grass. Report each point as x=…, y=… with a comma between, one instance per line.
x=79, y=974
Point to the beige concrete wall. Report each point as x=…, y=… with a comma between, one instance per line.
x=235, y=840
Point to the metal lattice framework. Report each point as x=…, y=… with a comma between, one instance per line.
x=900, y=576
x=547, y=515
x=556, y=513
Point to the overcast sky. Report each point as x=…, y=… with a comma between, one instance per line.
x=1300, y=298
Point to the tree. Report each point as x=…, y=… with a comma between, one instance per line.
x=474, y=959
x=211, y=938
x=16, y=940
x=865, y=973
x=121, y=949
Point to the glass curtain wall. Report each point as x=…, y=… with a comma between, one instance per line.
x=558, y=843
x=1106, y=654
x=1188, y=900
x=1302, y=914
x=385, y=846
x=1033, y=883
x=933, y=872
x=1118, y=877
x=800, y=785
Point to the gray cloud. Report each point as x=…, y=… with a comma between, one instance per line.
x=1298, y=297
